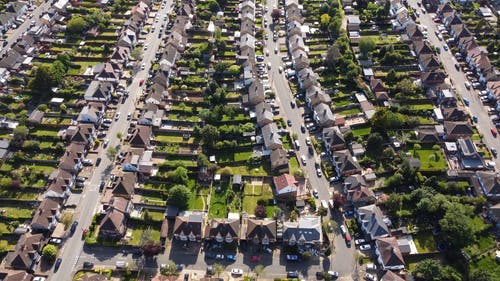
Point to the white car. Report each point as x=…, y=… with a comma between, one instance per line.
x=308, y=141
x=343, y=229
x=237, y=271
x=303, y=158
x=315, y=193
x=371, y=266
x=143, y=66
x=359, y=241
x=365, y=247
x=370, y=277
x=117, y=116
x=145, y=47
x=318, y=172
x=39, y=278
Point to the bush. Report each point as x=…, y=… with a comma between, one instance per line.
x=260, y=211
x=49, y=252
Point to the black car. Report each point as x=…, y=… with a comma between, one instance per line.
x=303, y=129
x=494, y=152
x=311, y=150
x=101, y=186
x=58, y=264
x=79, y=184
x=98, y=161
x=80, y=179
x=289, y=122
x=73, y=227
x=186, y=276
x=88, y=264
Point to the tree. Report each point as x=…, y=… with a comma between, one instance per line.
x=49, y=252
x=293, y=216
x=392, y=77
x=76, y=25
x=180, y=175
x=457, y=227
x=374, y=145
x=67, y=219
x=151, y=248
x=170, y=269
x=276, y=212
x=428, y=269
x=332, y=56
x=111, y=153
x=20, y=133
x=275, y=14
x=258, y=270
x=339, y=199
x=322, y=211
x=179, y=196
x=218, y=268
x=136, y=53
x=214, y=6
x=385, y=119
x=209, y=135
x=119, y=135
x=325, y=21
x=366, y=45
x=260, y=211
x=234, y=70
x=42, y=81
x=481, y=275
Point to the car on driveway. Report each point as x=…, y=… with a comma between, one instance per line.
x=255, y=258
x=370, y=277
x=333, y=274
x=359, y=241
x=365, y=247
x=88, y=264
x=371, y=266
x=231, y=257
x=237, y=271
x=292, y=257
x=315, y=193
x=210, y=255
x=308, y=141
x=494, y=132
x=292, y=274
x=219, y=257
x=319, y=173
x=55, y=241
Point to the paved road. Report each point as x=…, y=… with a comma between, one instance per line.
x=13, y=34
x=343, y=261
x=476, y=107
x=90, y=197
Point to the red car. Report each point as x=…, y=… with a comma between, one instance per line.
x=255, y=258
x=494, y=132
x=141, y=82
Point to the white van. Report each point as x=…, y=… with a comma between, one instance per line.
x=297, y=144
x=324, y=204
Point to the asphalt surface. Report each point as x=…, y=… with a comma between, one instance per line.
x=13, y=34
x=458, y=79
x=87, y=207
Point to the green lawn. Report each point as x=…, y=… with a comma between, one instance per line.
x=487, y=263
x=350, y=111
x=430, y=159
x=230, y=156
x=422, y=106
x=248, y=170
x=137, y=233
x=20, y=195
x=250, y=202
x=155, y=215
x=172, y=139
x=425, y=243
x=218, y=201
x=360, y=131
x=16, y=212
x=45, y=133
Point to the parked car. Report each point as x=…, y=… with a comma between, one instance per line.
x=303, y=129
x=237, y=271
x=79, y=184
x=55, y=241
x=343, y=229
x=318, y=172
x=315, y=193
x=359, y=241
x=73, y=227
x=466, y=101
x=308, y=141
x=303, y=159
x=371, y=266
x=88, y=264
x=255, y=258
x=210, y=255
x=101, y=186
x=58, y=264
x=494, y=152
x=231, y=257
x=87, y=162
x=467, y=85
x=289, y=123
x=98, y=161
x=292, y=257
x=370, y=277
x=365, y=247
x=292, y=274
x=494, y=132
x=333, y=274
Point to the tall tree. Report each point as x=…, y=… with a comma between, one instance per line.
x=457, y=226
x=366, y=45
x=179, y=196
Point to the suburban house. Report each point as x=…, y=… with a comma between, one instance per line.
x=307, y=78
x=304, y=233
x=271, y=136
x=388, y=253
x=114, y=225
x=46, y=216
x=324, y=115
x=258, y=232
x=99, y=91
x=264, y=114
x=489, y=183
x=255, y=93
x=391, y=276
x=120, y=55
x=91, y=114
x=454, y=113
x=141, y=136
x=26, y=253
x=124, y=185
x=285, y=186
x=345, y=163
x=59, y=189
x=223, y=230
x=279, y=161
x=353, y=23
x=189, y=227
x=15, y=275
x=494, y=214
x=361, y=196
x=456, y=130
x=469, y=156
x=372, y=221
x=71, y=162
x=333, y=139
x=300, y=60
x=108, y=72
x=315, y=95
x=81, y=134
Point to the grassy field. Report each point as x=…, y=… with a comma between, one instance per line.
x=350, y=111
x=361, y=131
x=230, y=156
x=173, y=139
x=250, y=201
x=137, y=233
x=155, y=215
x=247, y=170
x=430, y=159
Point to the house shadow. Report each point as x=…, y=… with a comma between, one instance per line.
x=102, y=253
x=184, y=252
